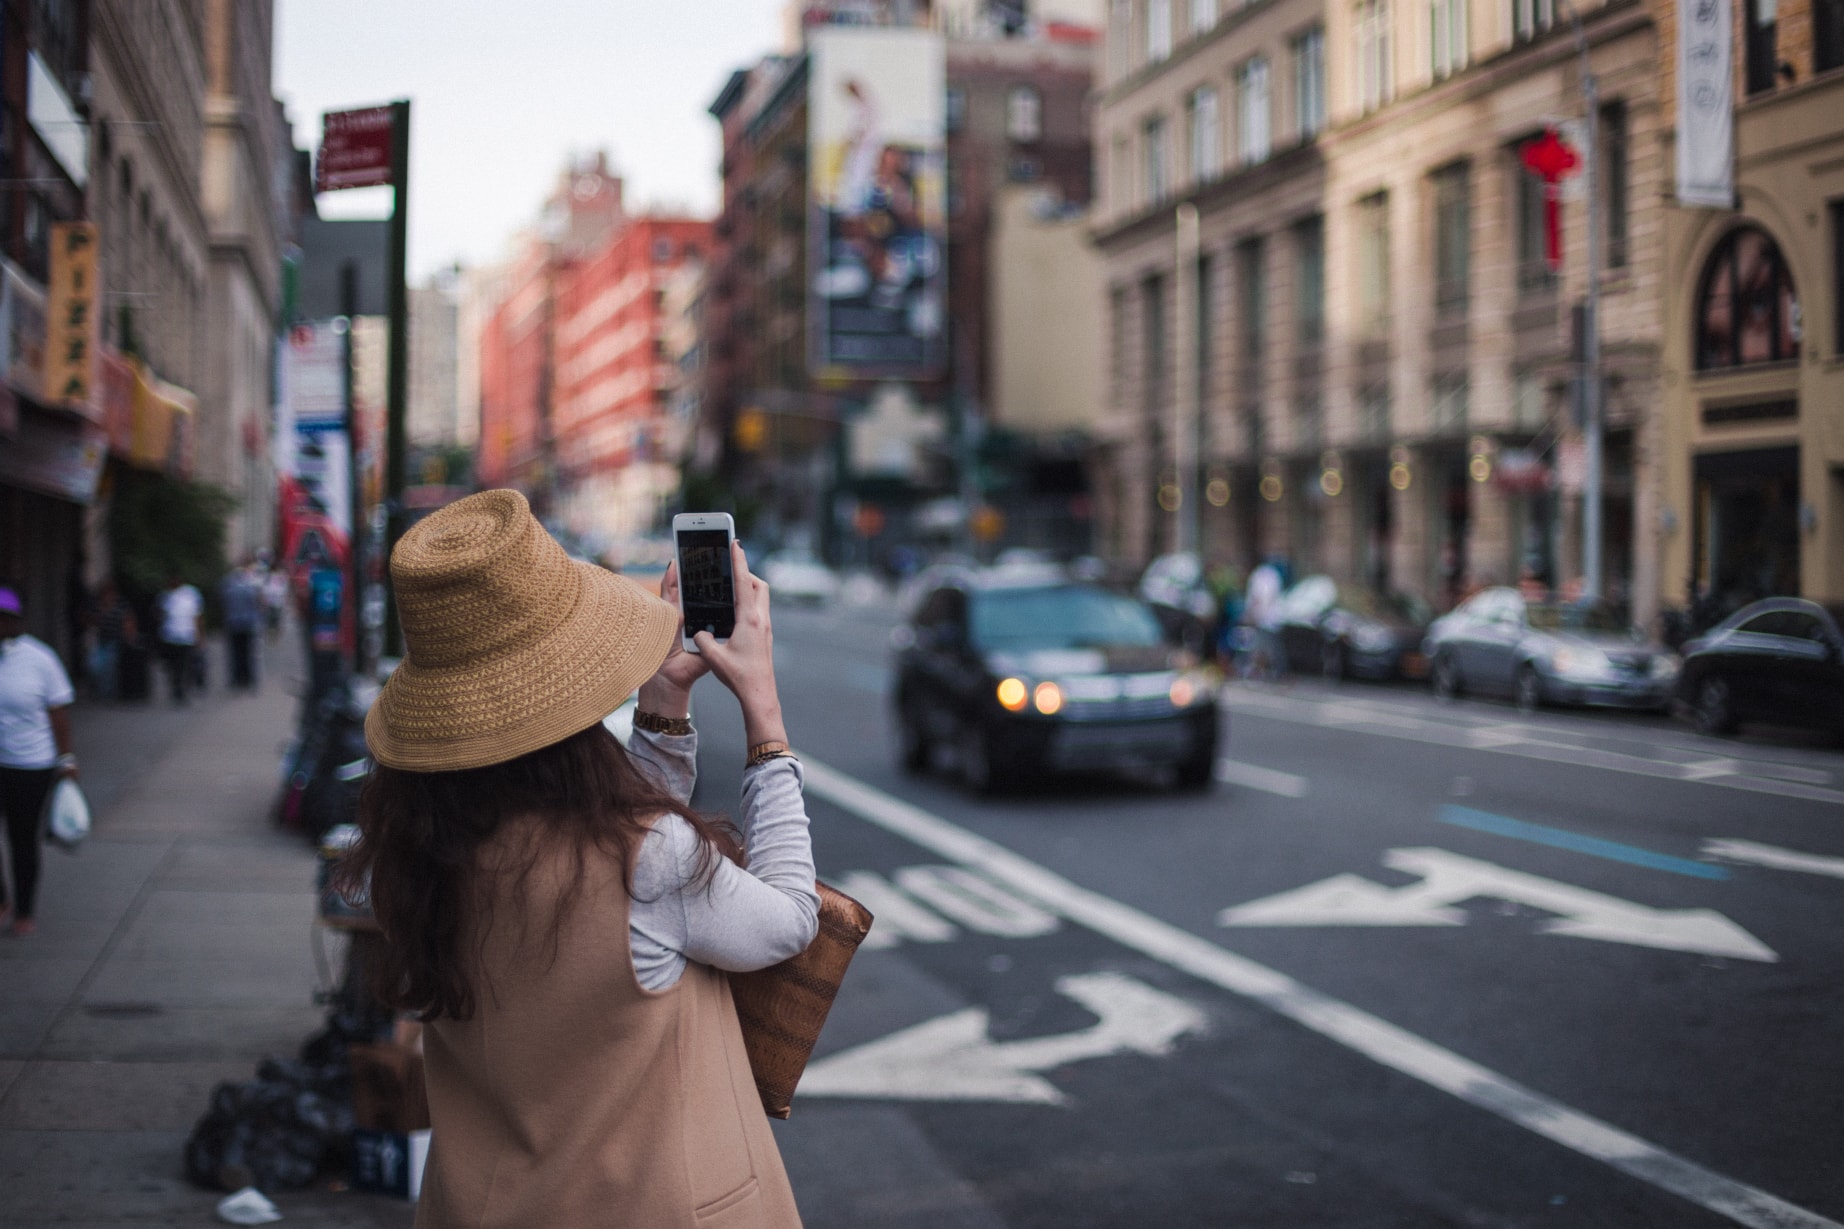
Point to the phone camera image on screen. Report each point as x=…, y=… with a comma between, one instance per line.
x=707, y=588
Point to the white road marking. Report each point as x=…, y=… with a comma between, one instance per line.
x=1358, y=1030
x=952, y=1059
x=975, y=902
x=898, y=917
x=1703, y=770
x=1448, y=879
x=1535, y=742
x=1253, y=776
x=1774, y=856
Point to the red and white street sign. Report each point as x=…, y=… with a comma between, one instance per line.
x=355, y=150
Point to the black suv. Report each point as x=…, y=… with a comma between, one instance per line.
x=1017, y=675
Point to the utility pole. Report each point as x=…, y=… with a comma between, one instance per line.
x=1185, y=408
x=396, y=432
x=1591, y=331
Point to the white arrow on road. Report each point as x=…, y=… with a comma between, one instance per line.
x=1448, y=879
x=952, y=1059
x=1774, y=856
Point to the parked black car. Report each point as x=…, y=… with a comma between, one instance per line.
x=1350, y=631
x=1780, y=660
x=1540, y=653
x=1017, y=674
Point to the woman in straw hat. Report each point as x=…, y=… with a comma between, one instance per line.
x=555, y=910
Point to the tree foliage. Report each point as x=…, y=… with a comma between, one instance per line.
x=161, y=527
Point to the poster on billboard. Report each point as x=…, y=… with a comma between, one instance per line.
x=317, y=491
x=877, y=233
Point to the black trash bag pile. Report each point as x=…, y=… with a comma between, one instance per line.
x=285, y=1128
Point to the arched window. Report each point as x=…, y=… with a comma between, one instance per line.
x=1748, y=311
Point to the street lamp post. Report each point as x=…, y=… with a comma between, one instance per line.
x=1591, y=330
x=1185, y=407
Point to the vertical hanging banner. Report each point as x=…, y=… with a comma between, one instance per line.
x=1706, y=105
x=317, y=513
x=355, y=150
x=877, y=239
x=71, y=316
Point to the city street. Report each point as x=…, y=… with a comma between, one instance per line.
x=1408, y=964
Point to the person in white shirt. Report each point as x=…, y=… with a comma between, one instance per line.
x=181, y=608
x=1259, y=611
x=35, y=750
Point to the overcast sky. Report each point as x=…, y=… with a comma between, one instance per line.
x=504, y=91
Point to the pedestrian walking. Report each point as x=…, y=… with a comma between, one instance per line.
x=35, y=750
x=507, y=836
x=1261, y=612
x=181, y=609
x=275, y=599
x=240, y=596
x=112, y=626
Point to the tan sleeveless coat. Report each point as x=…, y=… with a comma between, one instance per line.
x=574, y=1097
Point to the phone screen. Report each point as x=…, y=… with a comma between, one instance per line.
x=707, y=589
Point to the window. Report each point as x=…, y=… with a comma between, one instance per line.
x=1447, y=392
x=1374, y=80
x=1253, y=121
x=1024, y=113
x=1120, y=37
x=1762, y=44
x=1120, y=175
x=954, y=109
x=1373, y=264
x=1309, y=280
x=1158, y=181
x=1827, y=35
x=1748, y=311
x=1447, y=30
x=1530, y=18
x=1308, y=423
x=1534, y=274
x=1117, y=342
x=1158, y=29
x=1837, y=276
x=1203, y=15
x=1613, y=174
x=1156, y=360
x=1309, y=82
x=1452, y=237
x=1373, y=411
x=1206, y=330
x=1252, y=275
x=1206, y=139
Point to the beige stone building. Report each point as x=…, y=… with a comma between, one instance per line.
x=1364, y=314
x=1752, y=410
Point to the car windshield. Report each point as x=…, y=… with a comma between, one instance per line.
x=1384, y=607
x=1064, y=617
x=1600, y=618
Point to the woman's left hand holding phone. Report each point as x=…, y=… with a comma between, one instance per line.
x=668, y=692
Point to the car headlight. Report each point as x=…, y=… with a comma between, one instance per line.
x=1189, y=688
x=1580, y=663
x=1665, y=666
x=1012, y=694
x=1048, y=697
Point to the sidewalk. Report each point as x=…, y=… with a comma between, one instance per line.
x=174, y=951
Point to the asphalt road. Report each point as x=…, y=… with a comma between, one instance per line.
x=1409, y=964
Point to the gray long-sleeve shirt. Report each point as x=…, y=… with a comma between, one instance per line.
x=741, y=919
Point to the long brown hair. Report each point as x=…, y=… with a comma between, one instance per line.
x=423, y=835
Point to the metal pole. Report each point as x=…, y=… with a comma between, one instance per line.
x=396, y=455
x=1591, y=333
x=1184, y=385
x=355, y=486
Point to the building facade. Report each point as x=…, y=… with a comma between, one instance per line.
x=1753, y=400
x=1330, y=289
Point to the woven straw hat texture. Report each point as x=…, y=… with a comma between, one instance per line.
x=510, y=645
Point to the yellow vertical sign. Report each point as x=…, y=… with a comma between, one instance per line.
x=72, y=314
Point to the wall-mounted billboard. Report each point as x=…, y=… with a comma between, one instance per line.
x=877, y=238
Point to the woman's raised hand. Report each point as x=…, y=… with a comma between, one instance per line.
x=668, y=692
x=745, y=663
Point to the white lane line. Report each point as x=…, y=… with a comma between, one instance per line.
x=1506, y=740
x=1253, y=776
x=1358, y=1030
x=1774, y=856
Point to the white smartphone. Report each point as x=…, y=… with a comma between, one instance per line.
x=707, y=586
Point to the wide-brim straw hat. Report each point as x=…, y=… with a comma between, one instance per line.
x=510, y=645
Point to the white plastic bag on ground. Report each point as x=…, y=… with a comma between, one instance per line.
x=67, y=814
x=248, y=1206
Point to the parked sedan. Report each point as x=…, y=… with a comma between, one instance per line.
x=1013, y=674
x=1539, y=653
x=1779, y=661
x=798, y=575
x=1351, y=631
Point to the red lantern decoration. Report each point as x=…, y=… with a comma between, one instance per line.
x=1553, y=159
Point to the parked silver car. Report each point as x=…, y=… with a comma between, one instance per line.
x=1536, y=653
